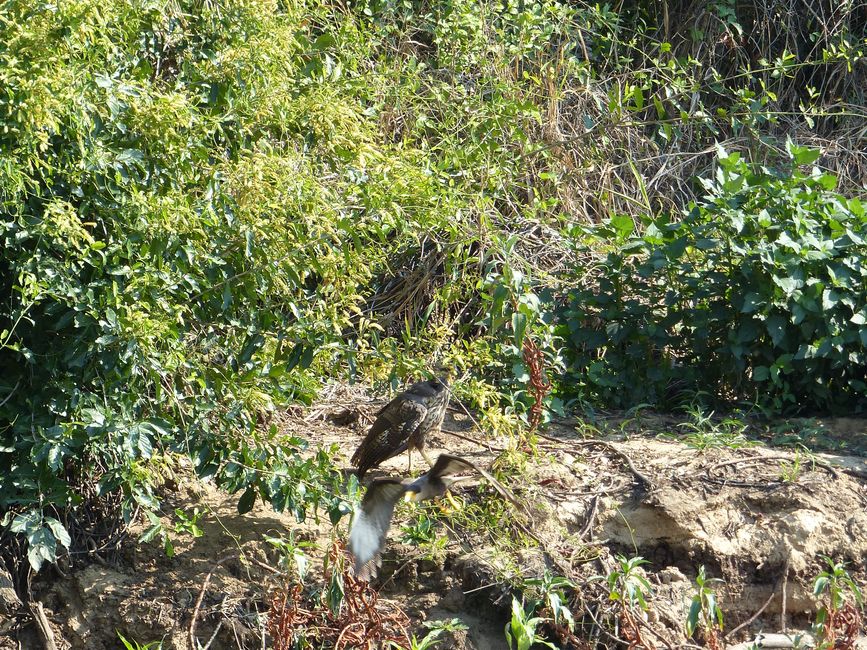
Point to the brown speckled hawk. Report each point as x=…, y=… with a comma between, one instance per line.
x=402, y=424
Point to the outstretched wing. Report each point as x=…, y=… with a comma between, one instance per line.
x=372, y=521
x=447, y=465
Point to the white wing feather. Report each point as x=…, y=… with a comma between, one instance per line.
x=372, y=521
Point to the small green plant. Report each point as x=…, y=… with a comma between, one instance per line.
x=704, y=612
x=135, y=645
x=421, y=530
x=521, y=630
x=157, y=530
x=626, y=585
x=790, y=472
x=292, y=555
x=188, y=524
x=553, y=598
x=838, y=620
x=629, y=589
x=334, y=593
x=705, y=432
x=185, y=525
x=432, y=638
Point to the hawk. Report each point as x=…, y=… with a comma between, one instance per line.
x=373, y=518
x=402, y=424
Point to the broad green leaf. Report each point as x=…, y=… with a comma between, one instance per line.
x=623, y=225
x=247, y=500
x=519, y=327
x=802, y=155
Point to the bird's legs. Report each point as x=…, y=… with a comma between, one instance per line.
x=448, y=496
x=426, y=457
x=409, y=449
x=454, y=504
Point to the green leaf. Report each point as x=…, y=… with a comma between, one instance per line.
x=519, y=327
x=60, y=533
x=787, y=284
x=802, y=155
x=623, y=225
x=42, y=548
x=752, y=301
x=692, y=617
x=247, y=500
x=776, y=326
x=820, y=586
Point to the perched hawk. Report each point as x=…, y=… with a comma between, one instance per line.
x=402, y=424
x=373, y=518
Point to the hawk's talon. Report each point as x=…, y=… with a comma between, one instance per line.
x=451, y=499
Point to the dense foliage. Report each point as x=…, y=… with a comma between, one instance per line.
x=208, y=208
x=756, y=294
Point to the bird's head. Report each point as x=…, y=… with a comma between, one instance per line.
x=442, y=373
x=412, y=495
x=439, y=383
x=429, y=387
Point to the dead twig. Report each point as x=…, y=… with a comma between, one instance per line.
x=192, y=631
x=412, y=558
x=752, y=618
x=214, y=635
x=785, y=588
x=474, y=421
x=263, y=565
x=642, y=478
x=604, y=630
x=43, y=625
x=491, y=448
x=591, y=517
x=754, y=459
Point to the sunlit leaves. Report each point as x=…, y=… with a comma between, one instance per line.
x=755, y=307
x=43, y=535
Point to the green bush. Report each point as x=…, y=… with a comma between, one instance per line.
x=759, y=293
x=209, y=208
x=203, y=214
x=169, y=268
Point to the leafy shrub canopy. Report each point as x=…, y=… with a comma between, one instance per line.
x=759, y=293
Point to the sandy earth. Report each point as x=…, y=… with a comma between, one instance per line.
x=729, y=510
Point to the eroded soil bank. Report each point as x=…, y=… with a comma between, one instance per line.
x=758, y=518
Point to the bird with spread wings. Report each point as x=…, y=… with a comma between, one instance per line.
x=373, y=518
